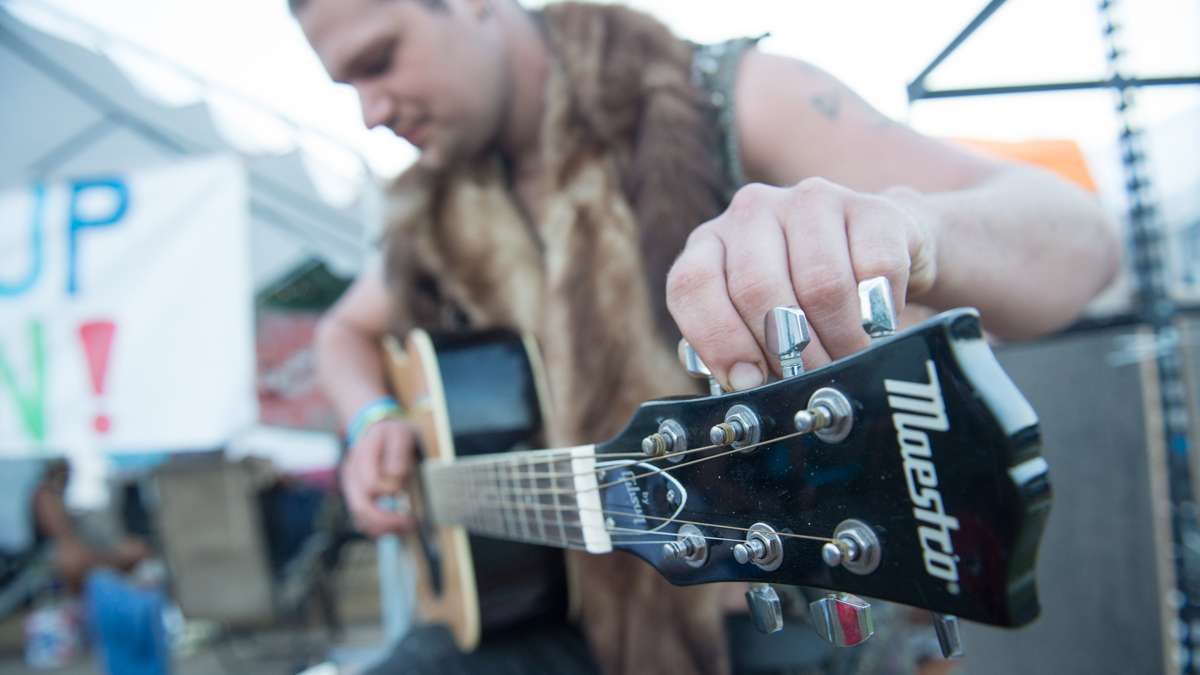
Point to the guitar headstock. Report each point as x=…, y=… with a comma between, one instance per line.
x=909, y=472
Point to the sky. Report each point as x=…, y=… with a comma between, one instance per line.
x=251, y=62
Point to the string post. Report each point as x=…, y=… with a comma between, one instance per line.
x=741, y=428
x=810, y=420
x=762, y=547
x=676, y=550
x=855, y=547
x=654, y=445
x=843, y=549
x=753, y=549
x=691, y=547
x=670, y=438
x=726, y=433
x=829, y=416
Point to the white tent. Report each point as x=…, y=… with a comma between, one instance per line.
x=69, y=111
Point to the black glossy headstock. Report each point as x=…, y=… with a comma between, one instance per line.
x=942, y=463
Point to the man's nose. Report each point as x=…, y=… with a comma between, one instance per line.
x=377, y=107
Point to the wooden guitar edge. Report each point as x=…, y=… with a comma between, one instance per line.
x=417, y=382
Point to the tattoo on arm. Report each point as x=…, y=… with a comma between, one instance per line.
x=827, y=104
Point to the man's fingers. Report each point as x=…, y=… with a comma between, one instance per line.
x=396, y=455
x=757, y=276
x=376, y=521
x=822, y=274
x=698, y=300
x=878, y=246
x=369, y=516
x=377, y=467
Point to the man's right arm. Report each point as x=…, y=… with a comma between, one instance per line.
x=349, y=365
x=351, y=372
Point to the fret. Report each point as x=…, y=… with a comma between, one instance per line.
x=494, y=495
x=525, y=496
x=478, y=507
x=510, y=529
x=531, y=467
x=522, y=521
x=487, y=488
x=561, y=471
x=553, y=484
x=571, y=497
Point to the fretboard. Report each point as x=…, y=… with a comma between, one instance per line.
x=547, y=497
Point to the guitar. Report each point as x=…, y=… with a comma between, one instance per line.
x=909, y=472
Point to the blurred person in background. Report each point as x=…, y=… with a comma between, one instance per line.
x=34, y=519
x=37, y=532
x=589, y=178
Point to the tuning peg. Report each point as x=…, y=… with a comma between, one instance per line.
x=765, y=608
x=696, y=368
x=787, y=334
x=949, y=639
x=876, y=308
x=843, y=619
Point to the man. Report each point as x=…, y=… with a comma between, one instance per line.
x=34, y=516
x=568, y=157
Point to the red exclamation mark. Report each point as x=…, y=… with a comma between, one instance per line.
x=97, y=337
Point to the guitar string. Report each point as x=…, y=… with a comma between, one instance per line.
x=490, y=461
x=515, y=490
x=497, y=459
x=665, y=520
x=570, y=542
x=447, y=468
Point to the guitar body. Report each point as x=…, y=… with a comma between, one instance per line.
x=474, y=394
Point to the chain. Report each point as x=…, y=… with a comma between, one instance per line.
x=1148, y=248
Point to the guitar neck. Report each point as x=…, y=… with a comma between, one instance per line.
x=546, y=497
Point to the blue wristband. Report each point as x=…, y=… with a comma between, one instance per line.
x=371, y=412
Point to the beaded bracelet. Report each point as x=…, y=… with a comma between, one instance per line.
x=384, y=407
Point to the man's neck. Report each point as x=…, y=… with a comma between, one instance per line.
x=520, y=138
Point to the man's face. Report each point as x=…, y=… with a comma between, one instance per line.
x=436, y=77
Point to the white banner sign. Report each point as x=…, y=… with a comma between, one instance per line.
x=126, y=312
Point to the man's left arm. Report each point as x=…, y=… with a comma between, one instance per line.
x=868, y=197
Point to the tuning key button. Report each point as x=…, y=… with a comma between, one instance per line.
x=843, y=619
x=765, y=608
x=876, y=308
x=696, y=368
x=949, y=639
x=787, y=333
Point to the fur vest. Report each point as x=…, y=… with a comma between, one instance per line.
x=629, y=149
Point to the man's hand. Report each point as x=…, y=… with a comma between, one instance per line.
x=807, y=245
x=377, y=466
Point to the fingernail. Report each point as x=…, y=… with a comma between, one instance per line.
x=744, y=376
